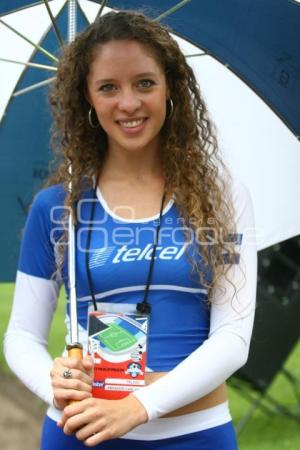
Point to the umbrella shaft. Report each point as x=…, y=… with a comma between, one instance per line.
x=72, y=20
x=73, y=316
x=72, y=282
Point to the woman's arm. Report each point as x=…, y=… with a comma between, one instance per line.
x=35, y=300
x=25, y=343
x=227, y=347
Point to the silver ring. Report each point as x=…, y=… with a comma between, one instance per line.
x=67, y=374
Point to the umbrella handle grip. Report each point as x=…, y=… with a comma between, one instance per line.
x=75, y=351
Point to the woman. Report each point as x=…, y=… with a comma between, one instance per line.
x=130, y=118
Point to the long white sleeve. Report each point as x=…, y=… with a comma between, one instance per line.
x=25, y=342
x=227, y=347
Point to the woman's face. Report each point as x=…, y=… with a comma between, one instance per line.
x=128, y=89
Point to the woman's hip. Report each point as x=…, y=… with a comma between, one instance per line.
x=211, y=429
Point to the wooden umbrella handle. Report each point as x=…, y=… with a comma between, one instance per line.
x=75, y=351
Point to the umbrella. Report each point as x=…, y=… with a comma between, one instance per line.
x=248, y=72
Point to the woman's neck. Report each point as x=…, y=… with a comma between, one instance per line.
x=131, y=166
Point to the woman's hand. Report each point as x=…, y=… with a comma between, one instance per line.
x=95, y=420
x=71, y=380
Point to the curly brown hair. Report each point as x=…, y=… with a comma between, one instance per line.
x=189, y=151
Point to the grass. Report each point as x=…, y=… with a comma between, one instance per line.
x=263, y=432
x=274, y=432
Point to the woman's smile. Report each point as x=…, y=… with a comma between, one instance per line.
x=132, y=126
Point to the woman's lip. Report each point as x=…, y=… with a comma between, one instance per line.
x=132, y=130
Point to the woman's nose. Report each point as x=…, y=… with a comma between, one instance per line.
x=129, y=101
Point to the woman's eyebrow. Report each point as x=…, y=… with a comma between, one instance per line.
x=139, y=75
x=146, y=74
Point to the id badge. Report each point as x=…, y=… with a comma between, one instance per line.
x=118, y=344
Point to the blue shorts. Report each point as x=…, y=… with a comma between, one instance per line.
x=221, y=437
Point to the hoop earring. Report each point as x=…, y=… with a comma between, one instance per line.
x=90, y=119
x=171, y=107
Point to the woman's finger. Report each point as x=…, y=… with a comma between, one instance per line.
x=84, y=365
x=72, y=424
x=90, y=429
x=97, y=438
x=65, y=395
x=66, y=374
x=75, y=384
x=82, y=424
x=88, y=364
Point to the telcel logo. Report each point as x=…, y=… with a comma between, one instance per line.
x=137, y=254
x=98, y=384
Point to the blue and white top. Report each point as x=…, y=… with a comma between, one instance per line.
x=119, y=258
x=199, y=343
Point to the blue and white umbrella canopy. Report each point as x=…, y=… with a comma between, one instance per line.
x=247, y=59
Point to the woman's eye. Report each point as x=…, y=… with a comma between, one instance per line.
x=146, y=83
x=107, y=88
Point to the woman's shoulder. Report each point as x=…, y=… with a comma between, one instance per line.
x=50, y=196
x=233, y=188
x=47, y=206
x=240, y=192
x=56, y=194
x=242, y=203
x=49, y=203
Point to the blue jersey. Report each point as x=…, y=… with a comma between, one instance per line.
x=118, y=259
x=187, y=330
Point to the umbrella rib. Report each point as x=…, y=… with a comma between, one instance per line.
x=29, y=64
x=194, y=55
x=33, y=87
x=172, y=10
x=38, y=47
x=57, y=32
x=101, y=9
